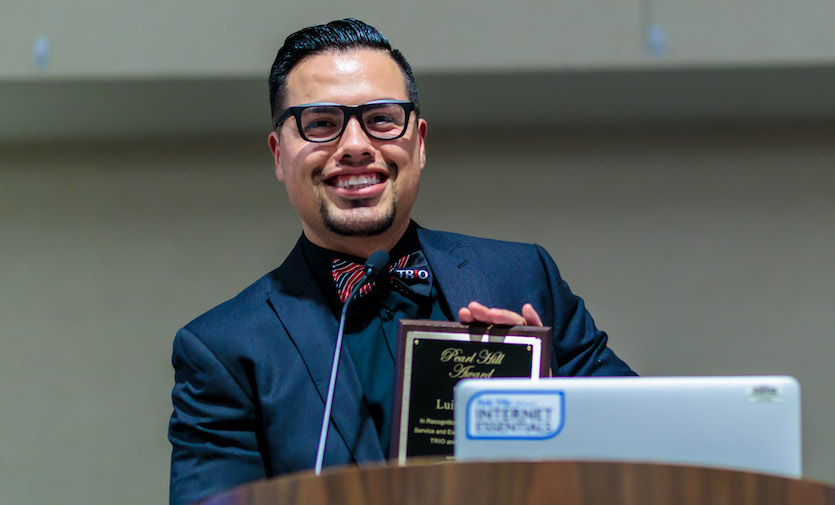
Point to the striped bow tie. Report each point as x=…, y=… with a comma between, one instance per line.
x=411, y=272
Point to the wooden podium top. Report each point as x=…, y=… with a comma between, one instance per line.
x=529, y=483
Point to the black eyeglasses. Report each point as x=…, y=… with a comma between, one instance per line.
x=323, y=122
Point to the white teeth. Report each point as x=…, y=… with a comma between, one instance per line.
x=357, y=182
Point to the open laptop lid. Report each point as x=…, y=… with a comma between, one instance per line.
x=746, y=423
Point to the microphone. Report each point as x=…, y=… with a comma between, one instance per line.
x=373, y=266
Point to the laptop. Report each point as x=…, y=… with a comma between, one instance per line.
x=744, y=423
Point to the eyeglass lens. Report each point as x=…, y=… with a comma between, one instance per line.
x=383, y=121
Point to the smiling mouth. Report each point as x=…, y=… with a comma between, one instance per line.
x=355, y=181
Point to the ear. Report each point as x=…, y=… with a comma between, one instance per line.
x=423, y=126
x=272, y=141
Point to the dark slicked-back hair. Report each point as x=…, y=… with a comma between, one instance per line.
x=340, y=35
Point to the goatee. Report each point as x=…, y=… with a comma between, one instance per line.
x=358, y=227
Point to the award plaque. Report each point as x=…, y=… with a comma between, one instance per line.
x=433, y=356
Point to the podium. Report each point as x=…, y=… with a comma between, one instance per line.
x=529, y=483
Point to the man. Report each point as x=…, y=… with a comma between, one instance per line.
x=252, y=374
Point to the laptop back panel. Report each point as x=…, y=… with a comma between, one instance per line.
x=746, y=423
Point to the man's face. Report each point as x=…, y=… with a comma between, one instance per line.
x=355, y=185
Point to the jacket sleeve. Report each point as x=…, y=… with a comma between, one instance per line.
x=213, y=429
x=580, y=348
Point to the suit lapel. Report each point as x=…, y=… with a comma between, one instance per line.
x=303, y=310
x=456, y=268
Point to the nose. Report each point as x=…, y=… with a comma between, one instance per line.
x=354, y=143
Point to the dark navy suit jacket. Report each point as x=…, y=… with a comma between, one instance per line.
x=252, y=373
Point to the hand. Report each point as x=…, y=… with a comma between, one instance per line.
x=478, y=313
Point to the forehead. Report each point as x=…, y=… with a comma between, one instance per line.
x=349, y=77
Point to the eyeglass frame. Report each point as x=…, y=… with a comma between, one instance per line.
x=348, y=111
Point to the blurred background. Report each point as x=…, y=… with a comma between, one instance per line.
x=676, y=158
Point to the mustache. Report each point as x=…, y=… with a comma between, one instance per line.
x=391, y=168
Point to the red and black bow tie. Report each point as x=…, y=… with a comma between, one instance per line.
x=410, y=272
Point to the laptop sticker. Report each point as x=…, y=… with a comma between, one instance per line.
x=515, y=415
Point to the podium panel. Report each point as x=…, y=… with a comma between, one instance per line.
x=529, y=483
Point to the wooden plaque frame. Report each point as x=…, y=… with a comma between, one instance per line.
x=454, y=351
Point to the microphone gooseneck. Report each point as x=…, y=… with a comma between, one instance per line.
x=375, y=263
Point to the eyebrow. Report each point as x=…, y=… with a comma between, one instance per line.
x=334, y=104
x=322, y=108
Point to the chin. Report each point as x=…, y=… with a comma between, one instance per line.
x=356, y=223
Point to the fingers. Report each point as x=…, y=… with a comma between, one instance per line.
x=530, y=315
x=478, y=313
x=494, y=316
